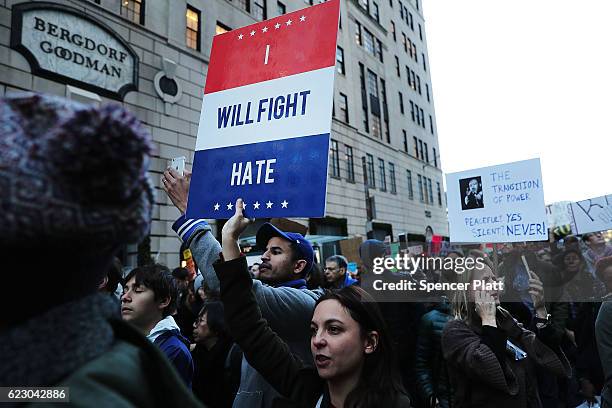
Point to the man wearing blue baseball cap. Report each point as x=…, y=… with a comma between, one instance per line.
x=280, y=290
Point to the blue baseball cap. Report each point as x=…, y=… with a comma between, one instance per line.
x=304, y=247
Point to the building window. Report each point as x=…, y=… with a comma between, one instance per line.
x=401, y=8
x=410, y=21
x=393, y=31
x=439, y=194
x=401, y=101
x=368, y=41
x=372, y=87
x=335, y=159
x=245, y=5
x=416, y=146
x=259, y=10
x=133, y=10
x=375, y=12
x=435, y=157
x=405, y=42
x=383, y=176
x=397, y=67
x=421, y=154
x=427, y=92
x=431, y=125
x=430, y=191
x=420, y=185
x=405, y=140
x=192, y=31
x=221, y=28
x=383, y=92
x=379, y=52
x=426, y=153
x=409, y=179
x=412, y=110
x=420, y=32
x=350, y=164
x=422, y=118
x=344, y=107
x=424, y=64
x=370, y=161
x=340, y=60
x=358, y=33
x=364, y=98
x=417, y=4
x=280, y=8
x=392, y=178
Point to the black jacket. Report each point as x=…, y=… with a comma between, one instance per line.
x=263, y=349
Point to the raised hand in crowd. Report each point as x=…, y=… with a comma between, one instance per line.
x=485, y=307
x=536, y=290
x=231, y=232
x=177, y=187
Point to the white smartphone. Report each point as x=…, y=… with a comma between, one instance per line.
x=178, y=164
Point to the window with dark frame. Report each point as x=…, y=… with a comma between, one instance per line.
x=383, y=175
x=421, y=153
x=431, y=129
x=439, y=194
x=364, y=98
x=427, y=92
x=350, y=164
x=193, y=28
x=340, y=60
x=245, y=5
x=259, y=10
x=397, y=67
x=420, y=185
x=335, y=159
x=370, y=162
x=393, y=31
x=133, y=10
x=392, y=178
x=280, y=8
x=435, y=157
x=416, y=146
x=221, y=28
x=343, y=106
x=401, y=102
x=426, y=152
x=431, y=200
x=405, y=140
x=409, y=180
x=375, y=12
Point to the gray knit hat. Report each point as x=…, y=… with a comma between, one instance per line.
x=72, y=173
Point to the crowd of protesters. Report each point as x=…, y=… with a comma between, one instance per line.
x=283, y=332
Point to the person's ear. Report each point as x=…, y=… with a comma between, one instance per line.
x=371, y=342
x=298, y=266
x=164, y=303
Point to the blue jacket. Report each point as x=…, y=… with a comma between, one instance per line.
x=175, y=347
x=348, y=280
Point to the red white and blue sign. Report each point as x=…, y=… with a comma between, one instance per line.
x=266, y=118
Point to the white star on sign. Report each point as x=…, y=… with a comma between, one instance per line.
x=256, y=205
x=303, y=18
x=230, y=206
x=244, y=205
x=240, y=36
x=284, y=204
x=265, y=29
x=252, y=33
x=269, y=204
x=289, y=22
x=217, y=206
x=277, y=26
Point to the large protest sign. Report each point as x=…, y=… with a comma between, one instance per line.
x=266, y=118
x=503, y=203
x=592, y=215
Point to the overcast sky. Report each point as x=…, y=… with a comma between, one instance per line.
x=519, y=79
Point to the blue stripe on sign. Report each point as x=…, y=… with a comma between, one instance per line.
x=299, y=174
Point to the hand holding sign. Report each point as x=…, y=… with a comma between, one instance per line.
x=536, y=290
x=177, y=187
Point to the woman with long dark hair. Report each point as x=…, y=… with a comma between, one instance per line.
x=350, y=345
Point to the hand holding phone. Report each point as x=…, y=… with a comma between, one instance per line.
x=178, y=164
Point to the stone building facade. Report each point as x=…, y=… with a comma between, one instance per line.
x=152, y=55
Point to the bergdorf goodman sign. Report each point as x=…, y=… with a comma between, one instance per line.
x=63, y=44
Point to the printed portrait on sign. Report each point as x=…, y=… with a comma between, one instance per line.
x=471, y=193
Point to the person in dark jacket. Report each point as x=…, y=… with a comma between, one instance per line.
x=73, y=191
x=603, y=328
x=349, y=342
x=212, y=344
x=491, y=357
x=431, y=372
x=148, y=300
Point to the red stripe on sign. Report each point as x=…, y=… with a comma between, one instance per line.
x=297, y=42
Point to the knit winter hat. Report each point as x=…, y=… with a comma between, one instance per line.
x=72, y=173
